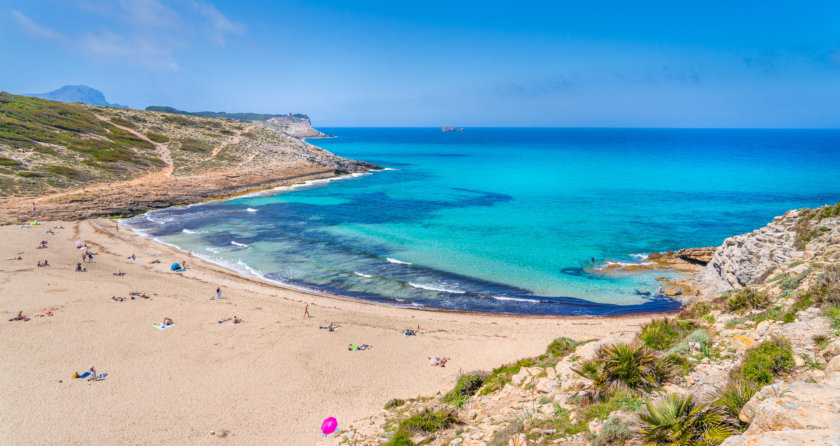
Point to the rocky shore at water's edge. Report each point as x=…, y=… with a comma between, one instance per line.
x=753, y=360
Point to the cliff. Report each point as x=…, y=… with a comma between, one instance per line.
x=292, y=124
x=70, y=161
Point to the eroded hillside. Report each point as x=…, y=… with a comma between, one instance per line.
x=74, y=160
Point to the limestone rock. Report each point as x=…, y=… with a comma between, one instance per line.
x=803, y=406
x=798, y=437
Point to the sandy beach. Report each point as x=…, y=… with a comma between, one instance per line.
x=271, y=379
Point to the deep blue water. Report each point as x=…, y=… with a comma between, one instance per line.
x=508, y=220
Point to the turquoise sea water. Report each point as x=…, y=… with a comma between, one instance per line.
x=508, y=220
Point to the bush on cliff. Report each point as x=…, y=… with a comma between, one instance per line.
x=826, y=287
x=677, y=420
x=746, y=299
x=466, y=387
x=662, y=334
x=732, y=398
x=766, y=361
x=619, y=367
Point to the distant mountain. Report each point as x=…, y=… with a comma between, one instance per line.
x=77, y=93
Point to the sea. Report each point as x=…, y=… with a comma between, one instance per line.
x=509, y=220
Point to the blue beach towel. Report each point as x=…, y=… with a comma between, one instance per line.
x=83, y=375
x=160, y=326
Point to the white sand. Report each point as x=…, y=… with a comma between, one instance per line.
x=270, y=380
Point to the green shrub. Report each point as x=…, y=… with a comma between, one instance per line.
x=778, y=277
x=502, y=438
x=826, y=288
x=400, y=439
x=620, y=367
x=123, y=122
x=466, y=387
x=561, y=347
x=194, y=145
x=157, y=137
x=732, y=398
x=65, y=171
x=765, y=361
x=661, y=334
x=394, y=403
x=832, y=313
x=428, y=422
x=791, y=283
x=789, y=317
x=700, y=336
x=747, y=298
x=614, y=432
x=677, y=420
x=501, y=375
x=8, y=162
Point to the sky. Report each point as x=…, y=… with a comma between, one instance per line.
x=432, y=63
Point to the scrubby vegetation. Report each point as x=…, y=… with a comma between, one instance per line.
x=466, y=387
x=678, y=420
x=747, y=298
x=764, y=362
x=500, y=376
x=620, y=367
x=732, y=398
x=662, y=334
x=426, y=422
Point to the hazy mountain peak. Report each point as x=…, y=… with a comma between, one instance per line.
x=77, y=93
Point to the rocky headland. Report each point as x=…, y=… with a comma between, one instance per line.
x=73, y=161
x=754, y=360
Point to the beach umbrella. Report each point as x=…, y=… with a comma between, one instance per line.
x=329, y=425
x=175, y=267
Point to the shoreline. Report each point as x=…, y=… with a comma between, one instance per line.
x=260, y=380
x=245, y=275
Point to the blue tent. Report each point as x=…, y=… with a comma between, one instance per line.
x=176, y=267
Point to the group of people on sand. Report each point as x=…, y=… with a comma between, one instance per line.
x=42, y=245
x=80, y=269
x=43, y=264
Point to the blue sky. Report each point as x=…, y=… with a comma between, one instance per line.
x=467, y=63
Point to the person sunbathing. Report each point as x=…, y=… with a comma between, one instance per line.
x=167, y=321
x=438, y=362
x=19, y=316
x=236, y=320
x=333, y=326
x=410, y=332
x=119, y=274
x=40, y=264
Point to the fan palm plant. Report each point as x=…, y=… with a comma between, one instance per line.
x=632, y=367
x=677, y=420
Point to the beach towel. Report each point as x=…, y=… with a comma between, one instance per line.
x=102, y=376
x=224, y=320
x=160, y=326
x=83, y=375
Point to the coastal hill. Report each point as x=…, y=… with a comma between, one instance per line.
x=753, y=361
x=75, y=161
x=293, y=124
x=77, y=93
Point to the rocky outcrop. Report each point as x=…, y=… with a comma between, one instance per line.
x=749, y=258
x=298, y=126
x=787, y=438
x=797, y=405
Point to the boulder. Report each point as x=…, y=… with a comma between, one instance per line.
x=831, y=350
x=519, y=378
x=545, y=385
x=798, y=437
x=798, y=405
x=833, y=365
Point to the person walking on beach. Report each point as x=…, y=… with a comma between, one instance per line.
x=306, y=312
x=218, y=294
x=659, y=293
